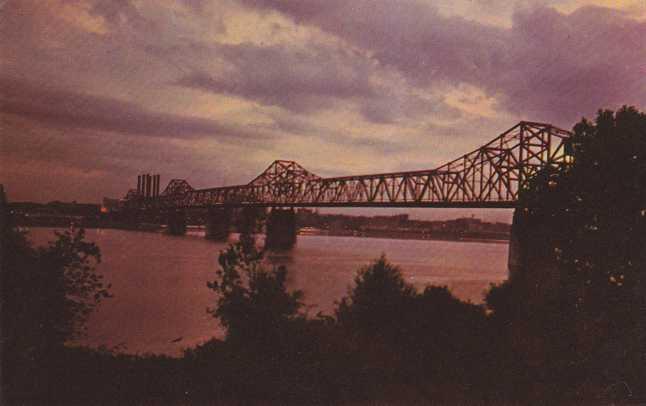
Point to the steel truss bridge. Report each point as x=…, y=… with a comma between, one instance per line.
x=490, y=176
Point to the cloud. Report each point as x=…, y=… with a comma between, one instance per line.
x=548, y=65
x=295, y=79
x=61, y=108
x=305, y=81
x=409, y=35
x=197, y=88
x=571, y=65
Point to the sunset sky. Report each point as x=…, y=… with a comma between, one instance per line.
x=94, y=92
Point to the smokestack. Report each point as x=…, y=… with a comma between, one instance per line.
x=148, y=185
x=157, y=188
x=138, y=184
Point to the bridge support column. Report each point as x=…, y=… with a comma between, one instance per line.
x=281, y=229
x=176, y=221
x=250, y=220
x=532, y=259
x=218, y=220
x=248, y=224
x=518, y=235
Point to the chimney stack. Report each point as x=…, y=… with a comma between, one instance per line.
x=148, y=185
x=154, y=186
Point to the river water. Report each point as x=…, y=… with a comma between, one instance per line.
x=159, y=281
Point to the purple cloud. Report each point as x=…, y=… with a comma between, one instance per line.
x=298, y=80
x=571, y=65
x=67, y=69
x=61, y=108
x=548, y=66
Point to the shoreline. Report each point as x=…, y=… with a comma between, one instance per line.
x=153, y=228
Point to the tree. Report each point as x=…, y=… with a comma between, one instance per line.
x=428, y=339
x=47, y=295
x=75, y=287
x=253, y=303
x=377, y=301
x=585, y=233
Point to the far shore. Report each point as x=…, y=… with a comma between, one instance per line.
x=156, y=228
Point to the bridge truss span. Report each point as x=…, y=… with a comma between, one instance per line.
x=490, y=176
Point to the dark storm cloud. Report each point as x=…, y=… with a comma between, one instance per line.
x=298, y=80
x=406, y=34
x=61, y=108
x=568, y=66
x=303, y=81
x=115, y=11
x=548, y=66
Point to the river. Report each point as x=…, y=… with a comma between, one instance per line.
x=159, y=281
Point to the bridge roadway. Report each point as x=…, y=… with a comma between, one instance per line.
x=488, y=177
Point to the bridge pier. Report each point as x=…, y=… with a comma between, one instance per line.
x=532, y=258
x=218, y=220
x=281, y=229
x=516, y=248
x=249, y=220
x=248, y=223
x=176, y=221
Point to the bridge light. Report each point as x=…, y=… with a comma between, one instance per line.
x=568, y=159
x=552, y=183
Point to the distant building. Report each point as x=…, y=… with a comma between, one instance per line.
x=110, y=205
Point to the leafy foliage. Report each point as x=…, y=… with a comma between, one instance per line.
x=47, y=296
x=597, y=212
x=378, y=297
x=50, y=291
x=74, y=277
x=581, y=287
x=253, y=302
x=429, y=336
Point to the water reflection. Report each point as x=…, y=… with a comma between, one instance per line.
x=159, y=281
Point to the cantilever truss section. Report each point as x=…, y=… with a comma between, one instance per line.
x=284, y=173
x=490, y=176
x=176, y=189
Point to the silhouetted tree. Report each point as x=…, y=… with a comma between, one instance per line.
x=47, y=295
x=581, y=292
x=376, y=301
x=272, y=352
x=253, y=302
x=430, y=340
